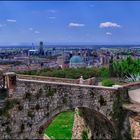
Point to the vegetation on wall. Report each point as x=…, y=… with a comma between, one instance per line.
x=102, y=101
x=31, y=114
x=8, y=129
x=119, y=114
x=28, y=96
x=107, y=82
x=39, y=93
x=20, y=107
x=3, y=93
x=22, y=127
x=9, y=104
x=51, y=92
x=84, y=135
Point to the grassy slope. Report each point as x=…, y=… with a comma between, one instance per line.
x=61, y=127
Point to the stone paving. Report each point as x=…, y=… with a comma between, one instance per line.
x=134, y=95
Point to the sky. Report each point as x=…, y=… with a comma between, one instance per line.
x=69, y=22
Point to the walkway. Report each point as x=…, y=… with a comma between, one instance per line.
x=134, y=95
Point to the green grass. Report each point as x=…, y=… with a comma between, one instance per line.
x=61, y=126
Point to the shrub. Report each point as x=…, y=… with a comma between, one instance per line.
x=22, y=127
x=80, y=113
x=9, y=104
x=28, y=96
x=8, y=129
x=51, y=92
x=39, y=93
x=107, y=82
x=3, y=93
x=84, y=135
x=104, y=72
x=20, y=107
x=102, y=101
x=31, y=114
x=37, y=107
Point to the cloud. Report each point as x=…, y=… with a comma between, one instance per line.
x=51, y=17
x=11, y=20
x=109, y=24
x=31, y=29
x=76, y=24
x=2, y=25
x=108, y=33
x=36, y=32
x=91, y=5
x=51, y=11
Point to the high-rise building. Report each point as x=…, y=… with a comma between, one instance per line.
x=41, y=49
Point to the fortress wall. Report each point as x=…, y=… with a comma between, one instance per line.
x=90, y=81
x=36, y=103
x=45, y=78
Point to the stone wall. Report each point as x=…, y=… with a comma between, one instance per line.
x=35, y=103
x=132, y=86
x=44, y=78
x=135, y=126
x=90, y=81
x=101, y=127
x=79, y=126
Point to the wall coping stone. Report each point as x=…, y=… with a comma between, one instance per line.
x=69, y=84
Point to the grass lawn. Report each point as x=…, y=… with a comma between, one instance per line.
x=61, y=126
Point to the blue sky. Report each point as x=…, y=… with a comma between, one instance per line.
x=69, y=22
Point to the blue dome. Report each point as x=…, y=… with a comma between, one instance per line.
x=76, y=59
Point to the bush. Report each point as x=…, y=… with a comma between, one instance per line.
x=37, y=107
x=20, y=107
x=66, y=73
x=38, y=95
x=104, y=72
x=8, y=129
x=84, y=135
x=28, y=96
x=22, y=127
x=30, y=114
x=9, y=104
x=50, y=92
x=107, y=82
x=3, y=93
x=124, y=67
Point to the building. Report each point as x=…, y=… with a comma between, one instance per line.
x=32, y=52
x=76, y=62
x=41, y=49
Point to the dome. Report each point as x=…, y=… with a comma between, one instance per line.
x=76, y=59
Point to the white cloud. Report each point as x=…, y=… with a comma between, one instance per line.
x=76, y=24
x=51, y=11
x=36, y=32
x=2, y=25
x=91, y=5
x=108, y=33
x=109, y=24
x=11, y=20
x=31, y=29
x=51, y=17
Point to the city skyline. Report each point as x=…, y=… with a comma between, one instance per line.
x=71, y=22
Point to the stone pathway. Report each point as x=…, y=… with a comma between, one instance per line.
x=45, y=137
x=132, y=107
x=134, y=95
